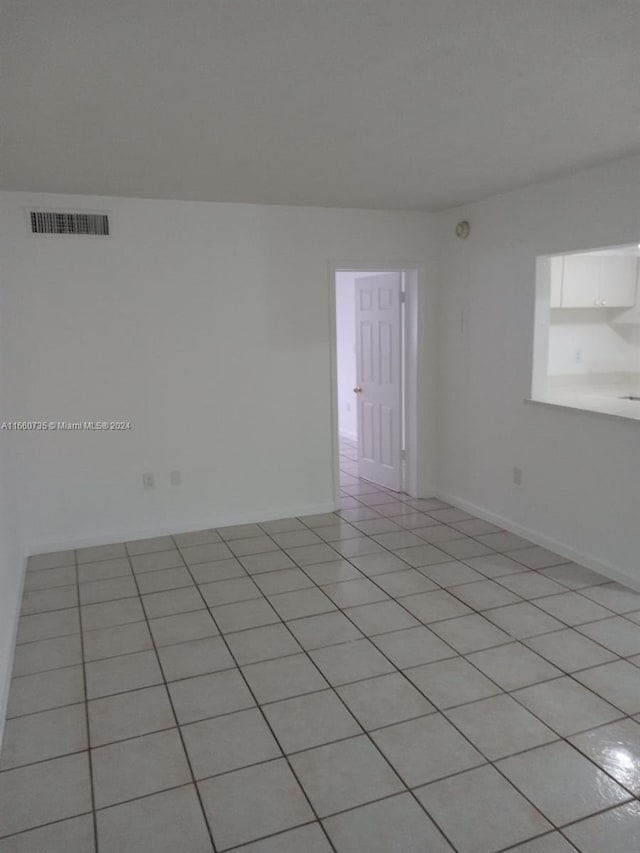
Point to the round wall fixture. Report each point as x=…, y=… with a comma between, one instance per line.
x=463, y=229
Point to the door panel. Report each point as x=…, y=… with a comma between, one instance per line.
x=386, y=435
x=366, y=431
x=385, y=345
x=366, y=371
x=379, y=376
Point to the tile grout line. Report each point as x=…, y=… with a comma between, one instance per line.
x=488, y=762
x=525, y=570
x=523, y=640
x=173, y=711
x=491, y=762
x=86, y=712
x=436, y=711
x=366, y=733
x=388, y=597
x=312, y=581
x=364, y=605
x=560, y=737
x=465, y=655
x=549, y=833
x=264, y=718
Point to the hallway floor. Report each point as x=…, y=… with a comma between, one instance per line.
x=396, y=677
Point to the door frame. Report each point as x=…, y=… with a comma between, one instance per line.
x=413, y=276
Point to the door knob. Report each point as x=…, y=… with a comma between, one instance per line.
x=357, y=390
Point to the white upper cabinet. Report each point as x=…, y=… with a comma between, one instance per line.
x=557, y=265
x=595, y=281
x=581, y=281
x=619, y=283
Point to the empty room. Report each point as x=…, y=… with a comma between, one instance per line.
x=319, y=426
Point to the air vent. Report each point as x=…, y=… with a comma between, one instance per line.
x=82, y=224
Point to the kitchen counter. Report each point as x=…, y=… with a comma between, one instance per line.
x=591, y=395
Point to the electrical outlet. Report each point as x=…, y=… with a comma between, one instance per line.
x=577, y=355
x=348, y=407
x=149, y=481
x=517, y=475
x=176, y=478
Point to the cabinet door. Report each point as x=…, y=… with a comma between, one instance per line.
x=556, y=265
x=581, y=281
x=618, y=282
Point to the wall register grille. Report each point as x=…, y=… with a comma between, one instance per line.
x=82, y=224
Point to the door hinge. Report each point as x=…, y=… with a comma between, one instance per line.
x=403, y=454
x=403, y=296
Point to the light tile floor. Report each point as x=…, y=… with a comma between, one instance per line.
x=395, y=677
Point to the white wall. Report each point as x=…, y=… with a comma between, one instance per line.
x=582, y=341
x=11, y=553
x=581, y=486
x=346, y=354
x=208, y=327
x=11, y=579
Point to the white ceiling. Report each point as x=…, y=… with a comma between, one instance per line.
x=410, y=104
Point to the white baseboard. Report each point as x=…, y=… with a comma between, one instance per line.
x=7, y=659
x=44, y=546
x=614, y=573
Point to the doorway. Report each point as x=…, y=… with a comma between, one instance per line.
x=374, y=375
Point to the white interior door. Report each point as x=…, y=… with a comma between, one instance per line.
x=379, y=378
